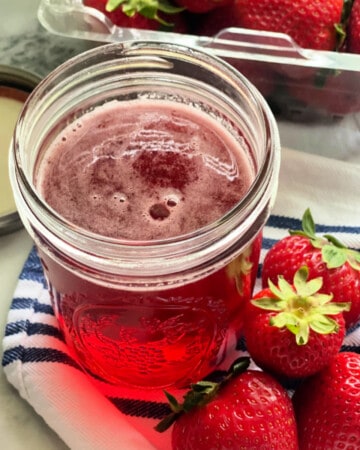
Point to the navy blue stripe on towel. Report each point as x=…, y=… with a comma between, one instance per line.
x=32, y=329
x=289, y=223
x=32, y=269
x=141, y=408
x=27, y=303
x=38, y=355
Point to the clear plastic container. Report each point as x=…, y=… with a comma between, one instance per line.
x=156, y=312
x=315, y=95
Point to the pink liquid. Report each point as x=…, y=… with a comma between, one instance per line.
x=144, y=171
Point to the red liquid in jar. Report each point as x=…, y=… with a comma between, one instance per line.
x=145, y=171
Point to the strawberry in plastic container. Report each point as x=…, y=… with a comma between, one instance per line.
x=353, y=29
x=202, y=6
x=142, y=14
x=312, y=24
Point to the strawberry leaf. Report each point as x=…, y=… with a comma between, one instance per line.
x=340, y=34
x=284, y=319
x=340, y=28
x=268, y=303
x=320, y=300
x=169, y=8
x=239, y=366
x=147, y=8
x=324, y=325
x=204, y=387
x=174, y=404
x=176, y=411
x=111, y=5
x=333, y=308
x=334, y=241
x=301, y=331
x=166, y=422
x=308, y=224
x=308, y=230
x=354, y=259
x=283, y=291
x=334, y=256
x=302, y=286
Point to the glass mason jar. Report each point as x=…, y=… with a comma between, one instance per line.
x=148, y=313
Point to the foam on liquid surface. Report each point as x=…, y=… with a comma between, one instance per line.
x=143, y=170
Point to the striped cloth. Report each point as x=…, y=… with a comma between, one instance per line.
x=90, y=414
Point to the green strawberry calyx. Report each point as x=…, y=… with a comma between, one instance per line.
x=200, y=393
x=301, y=307
x=334, y=253
x=340, y=28
x=146, y=8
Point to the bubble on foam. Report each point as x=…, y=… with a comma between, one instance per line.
x=172, y=202
x=119, y=197
x=159, y=211
x=122, y=198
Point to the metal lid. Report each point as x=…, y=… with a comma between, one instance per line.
x=23, y=81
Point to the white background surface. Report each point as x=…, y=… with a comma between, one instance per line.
x=20, y=426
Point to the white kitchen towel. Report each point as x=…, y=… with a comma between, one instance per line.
x=92, y=415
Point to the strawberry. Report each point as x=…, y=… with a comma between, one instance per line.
x=202, y=6
x=288, y=328
x=247, y=409
x=224, y=17
x=325, y=257
x=142, y=14
x=353, y=29
x=264, y=81
x=325, y=91
x=311, y=23
x=327, y=406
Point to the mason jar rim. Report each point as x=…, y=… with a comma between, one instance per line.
x=204, y=241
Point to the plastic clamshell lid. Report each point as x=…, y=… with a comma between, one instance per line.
x=72, y=18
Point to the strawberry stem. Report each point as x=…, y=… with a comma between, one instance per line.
x=200, y=394
x=340, y=28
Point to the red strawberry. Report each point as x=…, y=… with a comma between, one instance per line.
x=311, y=23
x=224, y=17
x=263, y=80
x=202, y=6
x=353, y=29
x=288, y=328
x=327, y=406
x=325, y=91
x=326, y=257
x=142, y=14
x=248, y=411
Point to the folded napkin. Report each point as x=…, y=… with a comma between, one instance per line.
x=90, y=414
